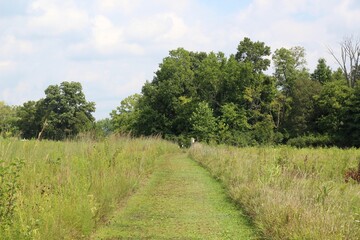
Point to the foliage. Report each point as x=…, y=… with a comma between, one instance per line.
x=29, y=119
x=203, y=123
x=289, y=66
x=255, y=53
x=350, y=125
x=63, y=113
x=124, y=118
x=248, y=107
x=322, y=73
x=330, y=106
x=9, y=174
x=311, y=141
x=189, y=84
x=7, y=120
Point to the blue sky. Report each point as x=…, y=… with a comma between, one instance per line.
x=113, y=46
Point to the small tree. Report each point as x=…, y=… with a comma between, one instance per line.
x=203, y=123
x=7, y=120
x=126, y=115
x=322, y=73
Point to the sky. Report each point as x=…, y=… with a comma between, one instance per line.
x=112, y=47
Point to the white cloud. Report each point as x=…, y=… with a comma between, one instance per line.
x=56, y=17
x=7, y=65
x=106, y=36
x=10, y=46
x=105, y=39
x=160, y=27
x=124, y=6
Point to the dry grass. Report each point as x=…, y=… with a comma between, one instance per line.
x=66, y=189
x=290, y=193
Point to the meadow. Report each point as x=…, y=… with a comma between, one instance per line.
x=65, y=190
x=289, y=193
x=69, y=189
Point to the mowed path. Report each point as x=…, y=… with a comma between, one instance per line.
x=181, y=201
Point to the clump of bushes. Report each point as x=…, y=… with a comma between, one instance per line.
x=310, y=141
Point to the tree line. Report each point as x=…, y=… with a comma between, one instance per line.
x=63, y=113
x=216, y=99
x=232, y=100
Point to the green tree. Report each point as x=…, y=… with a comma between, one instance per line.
x=64, y=112
x=7, y=120
x=103, y=127
x=203, y=123
x=125, y=117
x=349, y=134
x=233, y=126
x=290, y=73
x=161, y=107
x=29, y=119
x=263, y=131
x=289, y=65
x=208, y=78
x=322, y=73
x=330, y=106
x=301, y=116
x=254, y=53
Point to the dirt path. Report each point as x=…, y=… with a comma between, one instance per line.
x=181, y=201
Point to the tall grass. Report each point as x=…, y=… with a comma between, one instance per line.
x=65, y=189
x=290, y=193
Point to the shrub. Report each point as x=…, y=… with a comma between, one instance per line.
x=310, y=141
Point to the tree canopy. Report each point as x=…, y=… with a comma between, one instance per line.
x=63, y=113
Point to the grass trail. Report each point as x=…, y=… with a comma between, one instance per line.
x=181, y=201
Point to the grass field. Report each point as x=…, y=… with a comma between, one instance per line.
x=64, y=190
x=68, y=190
x=290, y=193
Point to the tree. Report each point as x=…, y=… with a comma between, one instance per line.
x=208, y=78
x=29, y=119
x=349, y=61
x=300, y=119
x=330, y=105
x=233, y=126
x=64, y=112
x=289, y=66
x=254, y=53
x=203, y=123
x=103, y=127
x=322, y=73
x=125, y=117
x=290, y=70
x=161, y=99
x=349, y=134
x=7, y=120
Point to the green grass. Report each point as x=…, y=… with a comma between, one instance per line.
x=65, y=190
x=290, y=193
x=181, y=201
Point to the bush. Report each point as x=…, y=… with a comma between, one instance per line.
x=310, y=141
